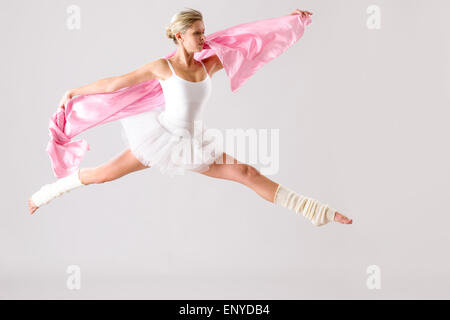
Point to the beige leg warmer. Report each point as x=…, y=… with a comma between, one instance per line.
x=50, y=191
x=311, y=209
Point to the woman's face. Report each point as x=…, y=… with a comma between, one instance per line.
x=194, y=37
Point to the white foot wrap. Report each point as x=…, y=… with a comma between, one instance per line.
x=311, y=209
x=50, y=191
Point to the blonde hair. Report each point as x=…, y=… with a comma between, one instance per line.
x=181, y=22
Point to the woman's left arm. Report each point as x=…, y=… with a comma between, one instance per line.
x=213, y=63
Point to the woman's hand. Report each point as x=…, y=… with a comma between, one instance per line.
x=298, y=11
x=67, y=96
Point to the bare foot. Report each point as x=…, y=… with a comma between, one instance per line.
x=342, y=219
x=33, y=207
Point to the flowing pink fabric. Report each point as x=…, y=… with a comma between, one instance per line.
x=242, y=49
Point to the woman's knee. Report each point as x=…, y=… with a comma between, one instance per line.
x=247, y=172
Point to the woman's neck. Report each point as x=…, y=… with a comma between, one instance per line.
x=184, y=57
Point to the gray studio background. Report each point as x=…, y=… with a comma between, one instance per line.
x=363, y=117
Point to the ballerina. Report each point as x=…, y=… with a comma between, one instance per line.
x=154, y=136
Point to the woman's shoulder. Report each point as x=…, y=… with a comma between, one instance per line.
x=161, y=69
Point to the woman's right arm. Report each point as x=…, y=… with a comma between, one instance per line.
x=144, y=73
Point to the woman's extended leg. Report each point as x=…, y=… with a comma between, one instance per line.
x=234, y=170
x=122, y=164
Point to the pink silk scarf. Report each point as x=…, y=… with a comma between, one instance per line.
x=242, y=49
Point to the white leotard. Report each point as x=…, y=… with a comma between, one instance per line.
x=184, y=100
x=158, y=137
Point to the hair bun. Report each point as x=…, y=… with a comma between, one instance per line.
x=169, y=33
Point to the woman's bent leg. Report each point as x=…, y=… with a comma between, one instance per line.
x=232, y=169
x=274, y=192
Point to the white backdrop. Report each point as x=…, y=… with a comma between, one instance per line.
x=363, y=118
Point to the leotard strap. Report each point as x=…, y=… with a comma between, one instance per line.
x=206, y=71
x=170, y=66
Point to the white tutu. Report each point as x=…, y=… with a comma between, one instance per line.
x=171, y=145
